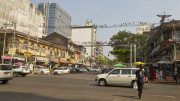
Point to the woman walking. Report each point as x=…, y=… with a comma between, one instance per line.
x=140, y=74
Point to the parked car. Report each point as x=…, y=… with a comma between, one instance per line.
x=118, y=76
x=62, y=70
x=41, y=70
x=104, y=71
x=74, y=70
x=82, y=70
x=21, y=70
x=6, y=73
x=88, y=70
x=94, y=69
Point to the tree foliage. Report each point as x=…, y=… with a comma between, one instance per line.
x=122, y=53
x=101, y=61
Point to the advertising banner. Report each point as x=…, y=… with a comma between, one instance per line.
x=40, y=58
x=10, y=51
x=6, y=57
x=63, y=60
x=46, y=59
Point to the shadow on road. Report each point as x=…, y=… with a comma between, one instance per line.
x=133, y=97
x=110, y=86
x=16, y=96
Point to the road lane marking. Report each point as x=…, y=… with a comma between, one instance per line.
x=160, y=95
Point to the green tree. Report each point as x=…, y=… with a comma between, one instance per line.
x=122, y=53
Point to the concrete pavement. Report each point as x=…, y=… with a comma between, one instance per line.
x=80, y=87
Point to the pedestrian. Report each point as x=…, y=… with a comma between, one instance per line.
x=140, y=74
x=159, y=75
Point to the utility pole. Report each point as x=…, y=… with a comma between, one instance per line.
x=174, y=34
x=131, y=55
x=12, y=51
x=5, y=24
x=135, y=54
x=36, y=54
x=27, y=49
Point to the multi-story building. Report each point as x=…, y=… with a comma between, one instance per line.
x=26, y=16
x=57, y=19
x=143, y=28
x=99, y=49
x=85, y=35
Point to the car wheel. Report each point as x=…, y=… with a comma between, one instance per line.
x=102, y=82
x=4, y=81
x=42, y=73
x=23, y=75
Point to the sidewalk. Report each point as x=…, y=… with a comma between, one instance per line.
x=163, y=82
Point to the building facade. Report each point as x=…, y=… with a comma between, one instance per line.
x=85, y=35
x=99, y=51
x=143, y=28
x=57, y=19
x=26, y=16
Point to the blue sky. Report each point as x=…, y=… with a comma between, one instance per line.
x=115, y=12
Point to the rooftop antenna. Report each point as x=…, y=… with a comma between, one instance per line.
x=163, y=17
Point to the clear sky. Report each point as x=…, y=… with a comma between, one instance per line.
x=115, y=12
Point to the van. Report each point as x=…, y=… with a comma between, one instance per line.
x=118, y=76
x=6, y=73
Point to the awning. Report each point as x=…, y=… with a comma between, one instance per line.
x=43, y=61
x=166, y=62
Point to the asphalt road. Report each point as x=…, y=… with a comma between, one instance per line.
x=80, y=87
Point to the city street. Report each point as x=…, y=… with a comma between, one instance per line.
x=80, y=87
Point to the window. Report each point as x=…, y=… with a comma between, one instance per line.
x=16, y=44
x=134, y=71
x=43, y=49
x=32, y=47
x=25, y=46
x=126, y=71
x=48, y=51
x=5, y=67
x=116, y=71
x=37, y=48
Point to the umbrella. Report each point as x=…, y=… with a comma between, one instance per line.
x=19, y=64
x=138, y=63
x=119, y=65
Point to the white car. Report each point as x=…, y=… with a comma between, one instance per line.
x=6, y=73
x=41, y=70
x=21, y=70
x=94, y=69
x=62, y=70
x=118, y=76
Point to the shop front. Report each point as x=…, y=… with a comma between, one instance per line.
x=73, y=63
x=62, y=61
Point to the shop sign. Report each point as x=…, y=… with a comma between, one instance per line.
x=19, y=58
x=72, y=61
x=10, y=51
x=40, y=58
x=6, y=57
x=55, y=60
x=29, y=54
x=155, y=50
x=63, y=60
x=46, y=59
x=168, y=43
x=52, y=59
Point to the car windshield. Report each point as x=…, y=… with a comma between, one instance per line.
x=73, y=68
x=25, y=67
x=16, y=67
x=43, y=67
x=60, y=68
x=5, y=67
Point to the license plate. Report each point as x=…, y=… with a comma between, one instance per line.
x=6, y=74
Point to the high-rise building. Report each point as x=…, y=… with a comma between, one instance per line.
x=85, y=35
x=26, y=16
x=57, y=19
x=143, y=28
x=99, y=49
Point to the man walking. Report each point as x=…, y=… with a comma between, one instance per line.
x=140, y=74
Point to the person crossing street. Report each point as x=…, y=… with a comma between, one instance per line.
x=140, y=74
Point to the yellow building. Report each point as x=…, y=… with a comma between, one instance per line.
x=44, y=48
